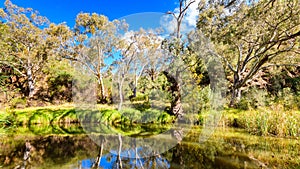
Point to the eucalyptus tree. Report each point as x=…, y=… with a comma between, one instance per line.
x=26, y=38
x=147, y=46
x=60, y=40
x=176, y=47
x=4, y=72
x=138, y=52
x=254, y=36
x=96, y=41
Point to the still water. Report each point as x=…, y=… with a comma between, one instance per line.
x=69, y=146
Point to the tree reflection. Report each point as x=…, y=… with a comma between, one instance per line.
x=99, y=156
x=131, y=157
x=119, y=159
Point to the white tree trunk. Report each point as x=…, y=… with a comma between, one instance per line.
x=101, y=87
x=236, y=91
x=30, y=81
x=121, y=81
x=119, y=159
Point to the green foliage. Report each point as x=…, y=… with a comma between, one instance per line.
x=18, y=103
x=6, y=119
x=40, y=116
x=129, y=115
x=231, y=117
x=249, y=38
x=275, y=122
x=194, y=119
x=205, y=101
x=150, y=116
x=60, y=87
x=139, y=97
x=165, y=118
x=254, y=98
x=239, y=38
x=288, y=99
x=141, y=106
x=110, y=116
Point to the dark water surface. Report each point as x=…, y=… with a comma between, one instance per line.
x=68, y=146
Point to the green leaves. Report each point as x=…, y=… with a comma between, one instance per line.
x=86, y=23
x=253, y=36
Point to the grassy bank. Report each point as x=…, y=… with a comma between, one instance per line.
x=68, y=114
x=272, y=121
x=39, y=115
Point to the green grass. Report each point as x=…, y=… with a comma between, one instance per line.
x=68, y=114
x=274, y=121
x=38, y=115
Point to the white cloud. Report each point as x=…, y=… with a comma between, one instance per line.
x=192, y=14
x=168, y=22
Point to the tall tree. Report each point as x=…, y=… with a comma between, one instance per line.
x=97, y=39
x=60, y=39
x=176, y=48
x=138, y=51
x=3, y=67
x=254, y=36
x=28, y=49
x=146, y=45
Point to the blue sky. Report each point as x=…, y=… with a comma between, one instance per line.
x=58, y=11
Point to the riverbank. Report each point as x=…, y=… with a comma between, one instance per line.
x=69, y=114
x=274, y=121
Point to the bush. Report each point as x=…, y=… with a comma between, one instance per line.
x=151, y=116
x=110, y=116
x=288, y=99
x=129, y=115
x=254, y=98
x=165, y=118
x=204, y=99
x=139, y=97
x=141, y=106
x=18, y=103
x=7, y=118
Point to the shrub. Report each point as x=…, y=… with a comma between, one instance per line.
x=151, y=116
x=165, y=118
x=141, y=106
x=18, y=103
x=129, y=115
x=253, y=98
x=139, y=97
x=288, y=99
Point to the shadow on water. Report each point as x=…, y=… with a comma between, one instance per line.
x=67, y=146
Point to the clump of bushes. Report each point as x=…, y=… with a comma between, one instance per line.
x=18, y=103
x=130, y=115
x=254, y=98
x=6, y=119
x=139, y=97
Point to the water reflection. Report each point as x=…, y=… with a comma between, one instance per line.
x=227, y=148
x=111, y=161
x=152, y=139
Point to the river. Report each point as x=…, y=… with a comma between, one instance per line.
x=70, y=146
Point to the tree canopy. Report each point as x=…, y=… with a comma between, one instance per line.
x=257, y=42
